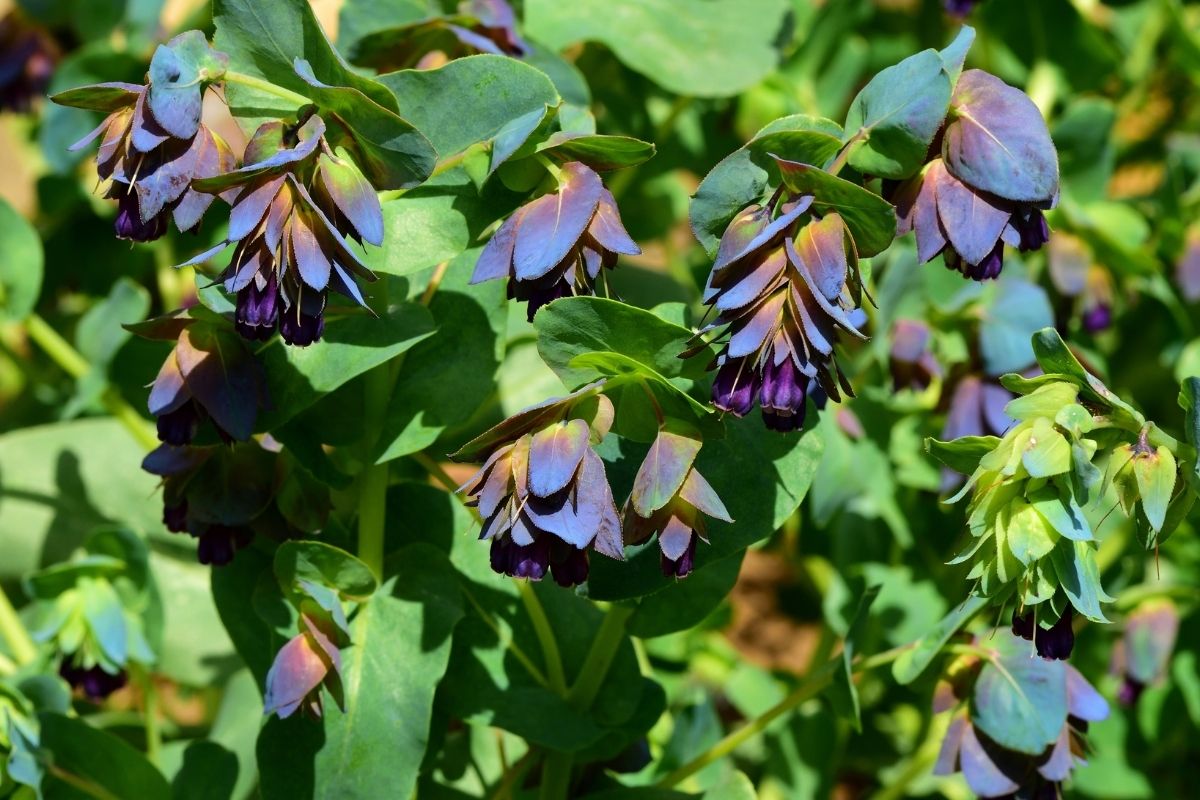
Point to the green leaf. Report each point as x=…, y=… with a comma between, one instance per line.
x=576, y=326
x=955, y=53
x=1015, y=312
x=962, y=454
x=743, y=177
x=685, y=604
x=401, y=646
x=298, y=376
x=208, y=772
x=324, y=565
x=265, y=37
x=1019, y=701
x=1189, y=401
x=20, y=265
x=728, y=48
x=870, y=218
x=60, y=482
x=1053, y=356
x=897, y=115
x=436, y=222
x=496, y=89
x=392, y=153
x=844, y=694
x=361, y=18
x=1079, y=577
x=734, y=786
x=472, y=323
x=1155, y=476
x=98, y=758
x=914, y=661
x=599, y=152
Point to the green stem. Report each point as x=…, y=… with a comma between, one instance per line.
x=810, y=687
x=541, y=626
x=550, y=166
x=13, y=631
x=506, y=639
x=150, y=712
x=75, y=365
x=599, y=657
x=263, y=85
x=556, y=776
x=839, y=160
x=84, y=785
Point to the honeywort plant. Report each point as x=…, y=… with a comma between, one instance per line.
x=453, y=334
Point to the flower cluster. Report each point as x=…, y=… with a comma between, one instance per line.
x=557, y=245
x=208, y=376
x=1003, y=754
x=28, y=56
x=311, y=659
x=784, y=283
x=542, y=491
x=294, y=202
x=1075, y=276
x=153, y=144
x=91, y=610
x=545, y=499
x=1030, y=537
x=969, y=201
x=668, y=496
x=1142, y=654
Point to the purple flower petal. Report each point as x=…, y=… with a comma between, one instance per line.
x=553, y=224
x=554, y=455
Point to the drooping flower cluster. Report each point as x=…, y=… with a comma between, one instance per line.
x=1030, y=538
x=784, y=283
x=668, y=496
x=153, y=144
x=91, y=608
x=28, y=56
x=1076, y=276
x=311, y=659
x=557, y=245
x=542, y=491
x=913, y=364
x=1003, y=754
x=294, y=202
x=1143, y=653
x=995, y=171
x=208, y=376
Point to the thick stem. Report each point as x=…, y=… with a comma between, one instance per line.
x=150, y=712
x=599, y=657
x=13, y=631
x=263, y=85
x=556, y=777
x=545, y=635
x=75, y=365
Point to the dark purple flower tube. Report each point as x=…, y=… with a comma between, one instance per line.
x=95, y=683
x=784, y=392
x=735, y=387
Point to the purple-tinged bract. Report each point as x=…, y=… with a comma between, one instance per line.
x=557, y=245
x=669, y=494
x=784, y=284
x=294, y=203
x=542, y=492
